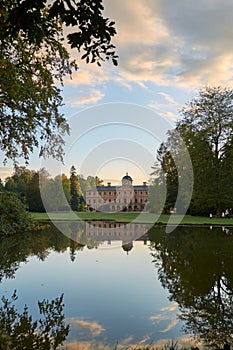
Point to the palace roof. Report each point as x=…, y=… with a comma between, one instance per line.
x=115, y=188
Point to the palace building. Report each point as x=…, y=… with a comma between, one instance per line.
x=107, y=231
x=126, y=197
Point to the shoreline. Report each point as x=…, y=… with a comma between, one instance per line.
x=137, y=218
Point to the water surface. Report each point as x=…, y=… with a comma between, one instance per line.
x=121, y=288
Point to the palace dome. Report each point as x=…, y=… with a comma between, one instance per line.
x=127, y=177
x=127, y=247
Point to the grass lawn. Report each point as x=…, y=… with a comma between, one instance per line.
x=136, y=217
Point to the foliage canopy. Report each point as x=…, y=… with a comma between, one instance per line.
x=20, y=331
x=34, y=61
x=206, y=127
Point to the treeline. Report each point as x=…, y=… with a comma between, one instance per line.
x=204, y=135
x=193, y=170
x=60, y=193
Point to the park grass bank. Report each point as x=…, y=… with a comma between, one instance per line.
x=134, y=217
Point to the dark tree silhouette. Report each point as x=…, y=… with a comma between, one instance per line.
x=197, y=269
x=19, y=331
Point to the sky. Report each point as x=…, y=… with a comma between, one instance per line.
x=168, y=50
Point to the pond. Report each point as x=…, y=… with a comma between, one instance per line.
x=122, y=284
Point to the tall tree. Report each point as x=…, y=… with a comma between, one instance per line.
x=65, y=186
x=34, y=200
x=207, y=120
x=206, y=128
x=34, y=60
x=75, y=192
x=195, y=266
x=164, y=176
x=173, y=174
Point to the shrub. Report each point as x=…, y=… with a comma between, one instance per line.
x=13, y=216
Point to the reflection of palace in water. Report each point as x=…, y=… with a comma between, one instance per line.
x=111, y=231
x=118, y=198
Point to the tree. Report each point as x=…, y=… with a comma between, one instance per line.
x=37, y=22
x=94, y=181
x=14, y=218
x=89, y=182
x=34, y=61
x=16, y=249
x=53, y=193
x=34, y=200
x=173, y=175
x=207, y=121
x=206, y=129
x=165, y=176
x=1, y=185
x=19, y=331
x=195, y=266
x=18, y=182
x=209, y=115
x=66, y=186
x=75, y=193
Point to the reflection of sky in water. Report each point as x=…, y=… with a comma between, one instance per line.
x=109, y=295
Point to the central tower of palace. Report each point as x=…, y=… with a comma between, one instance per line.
x=127, y=180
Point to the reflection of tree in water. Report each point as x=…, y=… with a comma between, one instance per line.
x=11, y=254
x=16, y=249
x=196, y=266
x=19, y=331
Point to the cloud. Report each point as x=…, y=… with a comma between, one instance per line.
x=90, y=75
x=171, y=325
x=94, y=327
x=158, y=317
x=168, y=98
x=168, y=108
x=170, y=307
x=164, y=316
x=81, y=345
x=183, y=342
x=91, y=96
x=163, y=43
x=174, y=42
